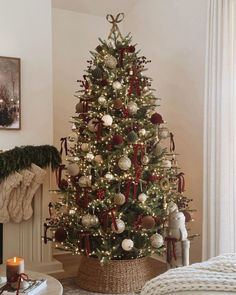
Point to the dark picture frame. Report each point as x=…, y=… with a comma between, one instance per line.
x=10, y=93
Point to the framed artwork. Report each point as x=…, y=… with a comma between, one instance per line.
x=10, y=93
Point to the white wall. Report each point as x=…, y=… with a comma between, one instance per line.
x=25, y=32
x=172, y=34
x=74, y=35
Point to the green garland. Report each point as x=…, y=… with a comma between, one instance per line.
x=22, y=157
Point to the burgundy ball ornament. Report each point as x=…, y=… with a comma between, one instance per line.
x=60, y=235
x=148, y=222
x=131, y=49
x=104, y=83
x=117, y=139
x=156, y=119
x=63, y=185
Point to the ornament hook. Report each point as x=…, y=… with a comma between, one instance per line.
x=114, y=21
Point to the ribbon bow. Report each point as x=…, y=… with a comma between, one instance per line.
x=104, y=218
x=14, y=278
x=171, y=248
x=136, y=148
x=114, y=21
x=98, y=124
x=64, y=140
x=138, y=222
x=128, y=188
x=181, y=182
x=86, y=189
x=45, y=238
x=85, y=104
x=134, y=82
x=84, y=235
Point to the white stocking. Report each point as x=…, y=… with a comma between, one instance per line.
x=32, y=189
x=8, y=188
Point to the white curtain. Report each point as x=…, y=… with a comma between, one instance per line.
x=219, y=205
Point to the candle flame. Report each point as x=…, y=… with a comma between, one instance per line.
x=14, y=259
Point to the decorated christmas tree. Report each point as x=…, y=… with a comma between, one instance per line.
x=121, y=179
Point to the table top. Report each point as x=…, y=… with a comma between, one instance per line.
x=54, y=287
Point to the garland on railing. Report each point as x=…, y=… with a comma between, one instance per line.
x=22, y=157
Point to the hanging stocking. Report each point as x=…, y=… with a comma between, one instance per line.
x=32, y=189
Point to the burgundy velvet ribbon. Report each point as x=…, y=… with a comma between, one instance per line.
x=79, y=190
x=98, y=124
x=138, y=222
x=104, y=218
x=128, y=188
x=64, y=140
x=171, y=248
x=85, y=104
x=134, y=83
x=136, y=148
x=122, y=53
x=58, y=173
x=84, y=235
x=181, y=182
x=172, y=143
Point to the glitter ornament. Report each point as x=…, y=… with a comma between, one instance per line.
x=89, y=157
x=86, y=220
x=94, y=220
x=110, y=61
x=132, y=107
x=142, y=197
x=84, y=181
x=127, y=244
x=84, y=147
x=148, y=222
x=145, y=160
x=109, y=176
x=101, y=99
x=60, y=235
x=121, y=226
x=116, y=85
x=118, y=104
x=124, y=163
x=92, y=126
x=142, y=132
x=107, y=119
x=132, y=137
x=117, y=139
x=156, y=119
x=73, y=169
x=166, y=164
x=98, y=159
x=156, y=240
x=119, y=199
x=163, y=132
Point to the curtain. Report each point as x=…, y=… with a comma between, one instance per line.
x=219, y=199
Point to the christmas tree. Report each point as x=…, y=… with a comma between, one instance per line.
x=120, y=181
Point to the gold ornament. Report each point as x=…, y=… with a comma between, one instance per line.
x=110, y=61
x=156, y=240
x=73, y=169
x=109, y=176
x=119, y=199
x=84, y=147
x=124, y=163
x=132, y=107
x=98, y=159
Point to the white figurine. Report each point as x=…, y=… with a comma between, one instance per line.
x=177, y=243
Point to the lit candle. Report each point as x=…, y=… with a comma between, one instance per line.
x=14, y=265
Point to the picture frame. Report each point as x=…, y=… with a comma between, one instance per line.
x=10, y=93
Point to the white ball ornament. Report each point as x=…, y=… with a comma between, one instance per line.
x=86, y=220
x=116, y=85
x=163, y=132
x=98, y=159
x=101, y=99
x=166, y=164
x=107, y=119
x=132, y=107
x=92, y=126
x=124, y=163
x=110, y=61
x=120, y=225
x=109, y=176
x=156, y=240
x=142, y=197
x=84, y=147
x=73, y=169
x=89, y=157
x=142, y=132
x=73, y=138
x=127, y=244
x=94, y=220
x=119, y=199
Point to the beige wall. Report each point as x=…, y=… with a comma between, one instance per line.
x=172, y=34
x=25, y=32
